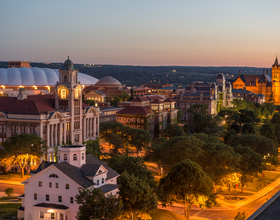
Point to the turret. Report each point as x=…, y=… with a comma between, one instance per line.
x=72, y=154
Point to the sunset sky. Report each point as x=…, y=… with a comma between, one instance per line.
x=145, y=32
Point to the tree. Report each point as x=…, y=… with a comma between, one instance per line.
x=9, y=191
x=136, y=194
x=276, y=124
x=115, y=101
x=132, y=165
x=267, y=110
x=229, y=116
x=93, y=147
x=172, y=130
x=179, y=115
x=21, y=148
x=208, y=124
x=139, y=139
x=248, y=128
x=249, y=165
x=241, y=216
x=177, y=149
x=153, y=153
x=89, y=102
x=93, y=204
x=268, y=130
x=239, y=104
x=195, y=111
x=246, y=116
x=217, y=159
x=259, y=144
x=187, y=184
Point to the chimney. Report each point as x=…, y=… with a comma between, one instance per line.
x=21, y=94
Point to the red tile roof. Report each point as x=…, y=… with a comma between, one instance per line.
x=140, y=99
x=168, y=100
x=136, y=110
x=157, y=101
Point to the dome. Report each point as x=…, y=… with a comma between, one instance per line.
x=108, y=81
x=68, y=64
x=36, y=76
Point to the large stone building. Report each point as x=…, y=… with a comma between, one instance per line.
x=215, y=95
x=50, y=191
x=262, y=83
x=150, y=113
x=57, y=118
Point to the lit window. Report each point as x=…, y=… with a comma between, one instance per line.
x=63, y=94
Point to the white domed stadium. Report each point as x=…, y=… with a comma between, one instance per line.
x=35, y=79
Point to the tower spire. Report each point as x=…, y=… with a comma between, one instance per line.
x=275, y=62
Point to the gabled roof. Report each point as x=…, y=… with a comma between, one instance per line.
x=136, y=110
x=250, y=79
x=90, y=159
x=168, y=100
x=90, y=169
x=42, y=166
x=74, y=173
x=108, y=187
x=156, y=101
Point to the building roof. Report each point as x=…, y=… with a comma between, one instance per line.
x=51, y=206
x=90, y=159
x=250, y=79
x=140, y=99
x=168, y=100
x=37, y=76
x=90, y=169
x=275, y=62
x=108, y=187
x=156, y=101
x=108, y=81
x=153, y=86
x=136, y=110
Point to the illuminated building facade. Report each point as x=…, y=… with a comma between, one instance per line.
x=262, y=83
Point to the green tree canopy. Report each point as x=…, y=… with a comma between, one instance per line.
x=93, y=204
x=139, y=138
x=268, y=130
x=208, y=124
x=259, y=144
x=187, y=184
x=136, y=194
x=229, y=116
x=93, y=147
x=172, y=130
x=21, y=148
x=248, y=128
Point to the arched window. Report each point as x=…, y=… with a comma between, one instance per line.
x=53, y=175
x=65, y=157
x=75, y=157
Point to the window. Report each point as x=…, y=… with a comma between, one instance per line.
x=35, y=196
x=47, y=197
x=67, y=186
x=42, y=215
x=53, y=175
x=75, y=157
x=102, y=180
x=71, y=200
x=83, y=156
x=59, y=198
x=56, y=185
x=52, y=216
x=61, y=216
x=97, y=183
x=40, y=183
x=65, y=157
x=50, y=184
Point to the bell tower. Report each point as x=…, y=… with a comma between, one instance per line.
x=68, y=99
x=275, y=79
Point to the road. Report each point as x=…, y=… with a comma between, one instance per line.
x=18, y=189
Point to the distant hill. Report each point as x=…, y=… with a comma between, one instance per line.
x=137, y=75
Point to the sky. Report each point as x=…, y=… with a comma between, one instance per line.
x=143, y=32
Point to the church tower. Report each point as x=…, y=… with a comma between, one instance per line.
x=68, y=99
x=275, y=80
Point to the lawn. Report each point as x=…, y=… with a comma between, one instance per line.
x=13, y=177
x=161, y=214
x=9, y=209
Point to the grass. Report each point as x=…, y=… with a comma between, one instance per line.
x=9, y=209
x=7, y=198
x=161, y=214
x=13, y=177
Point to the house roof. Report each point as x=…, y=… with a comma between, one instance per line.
x=136, y=110
x=140, y=99
x=90, y=169
x=168, y=100
x=90, y=159
x=74, y=173
x=52, y=206
x=108, y=187
x=42, y=166
x=156, y=101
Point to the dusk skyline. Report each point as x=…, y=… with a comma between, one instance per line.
x=186, y=33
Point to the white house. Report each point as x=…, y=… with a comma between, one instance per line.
x=50, y=191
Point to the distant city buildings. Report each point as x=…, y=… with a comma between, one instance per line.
x=215, y=95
